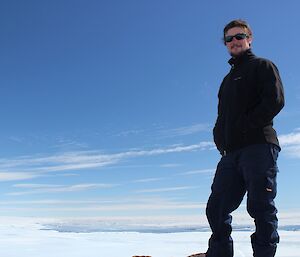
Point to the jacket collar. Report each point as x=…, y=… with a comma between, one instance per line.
x=247, y=55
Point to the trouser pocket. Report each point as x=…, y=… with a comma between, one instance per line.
x=271, y=174
x=259, y=165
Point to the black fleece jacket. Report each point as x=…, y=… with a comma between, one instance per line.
x=250, y=96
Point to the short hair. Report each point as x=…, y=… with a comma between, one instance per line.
x=237, y=23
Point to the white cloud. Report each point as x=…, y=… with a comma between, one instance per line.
x=112, y=200
x=168, y=132
x=175, y=149
x=147, y=180
x=96, y=206
x=290, y=139
x=35, y=186
x=55, y=202
x=11, y=176
x=129, y=133
x=130, y=207
x=47, y=188
x=62, y=175
x=165, y=189
x=66, y=143
x=170, y=165
x=186, y=130
x=290, y=143
x=16, y=139
x=27, y=167
x=203, y=171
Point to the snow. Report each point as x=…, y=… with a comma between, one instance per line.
x=22, y=238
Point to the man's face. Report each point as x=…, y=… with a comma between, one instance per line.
x=237, y=47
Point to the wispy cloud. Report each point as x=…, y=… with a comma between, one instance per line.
x=162, y=131
x=170, y=165
x=36, y=186
x=16, y=139
x=11, y=176
x=26, y=167
x=147, y=180
x=127, y=133
x=290, y=143
x=54, y=202
x=113, y=208
x=101, y=205
x=48, y=188
x=186, y=130
x=138, y=199
x=165, y=189
x=66, y=143
x=201, y=171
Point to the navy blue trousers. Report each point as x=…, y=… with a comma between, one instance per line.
x=250, y=170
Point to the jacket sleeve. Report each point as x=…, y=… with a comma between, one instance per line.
x=271, y=95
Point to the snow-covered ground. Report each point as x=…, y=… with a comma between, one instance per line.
x=21, y=238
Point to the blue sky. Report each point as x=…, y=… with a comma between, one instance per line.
x=107, y=107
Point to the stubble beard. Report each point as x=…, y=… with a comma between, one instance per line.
x=235, y=55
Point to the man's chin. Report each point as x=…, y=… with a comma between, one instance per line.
x=237, y=53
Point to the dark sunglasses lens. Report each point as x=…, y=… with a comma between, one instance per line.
x=228, y=39
x=239, y=36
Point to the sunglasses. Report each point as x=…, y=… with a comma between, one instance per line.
x=238, y=36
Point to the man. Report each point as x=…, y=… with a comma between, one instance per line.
x=250, y=96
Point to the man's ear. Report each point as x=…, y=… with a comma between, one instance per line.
x=250, y=41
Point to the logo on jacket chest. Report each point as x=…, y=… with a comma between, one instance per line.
x=237, y=78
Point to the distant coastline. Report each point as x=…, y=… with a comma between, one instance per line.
x=148, y=229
